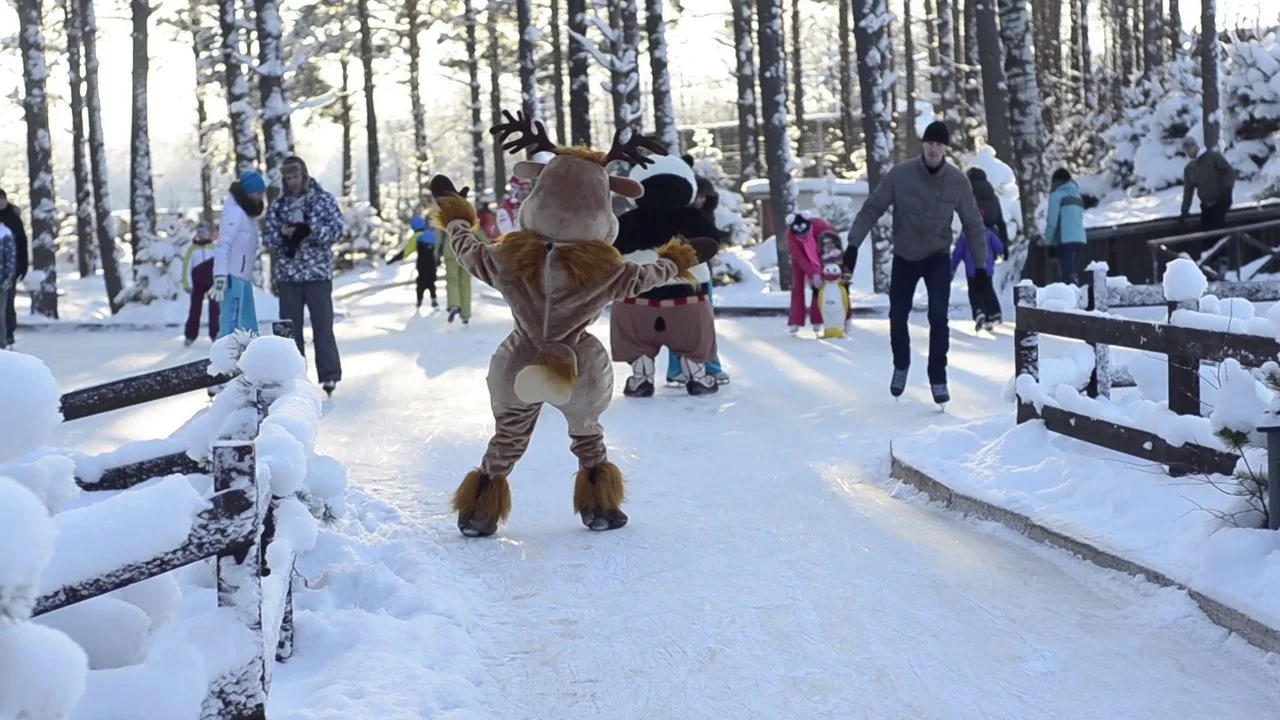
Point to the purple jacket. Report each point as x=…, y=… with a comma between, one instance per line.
x=962, y=252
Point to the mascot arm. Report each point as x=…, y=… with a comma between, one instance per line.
x=674, y=260
x=458, y=219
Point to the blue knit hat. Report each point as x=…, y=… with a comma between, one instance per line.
x=252, y=182
x=417, y=224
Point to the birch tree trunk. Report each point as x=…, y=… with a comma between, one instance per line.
x=994, y=87
x=557, y=72
x=421, y=161
x=1208, y=72
x=946, y=70
x=871, y=20
x=528, y=73
x=1024, y=122
x=239, y=109
x=797, y=75
x=477, y=121
x=105, y=224
x=745, y=70
x=142, y=203
x=86, y=253
x=847, y=121
x=44, y=300
x=664, y=111
x=275, y=106
x=631, y=63
x=579, y=76
x=370, y=108
x=1153, y=36
x=773, y=95
x=495, y=101
x=348, y=139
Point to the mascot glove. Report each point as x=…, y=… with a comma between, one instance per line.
x=219, y=289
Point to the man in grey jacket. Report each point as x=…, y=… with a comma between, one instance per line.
x=926, y=193
x=1212, y=177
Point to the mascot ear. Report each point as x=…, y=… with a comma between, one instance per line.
x=626, y=187
x=527, y=169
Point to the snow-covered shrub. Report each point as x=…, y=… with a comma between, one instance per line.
x=364, y=235
x=1251, y=89
x=158, y=270
x=734, y=214
x=835, y=209
x=1145, y=143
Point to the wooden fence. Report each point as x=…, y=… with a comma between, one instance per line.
x=236, y=529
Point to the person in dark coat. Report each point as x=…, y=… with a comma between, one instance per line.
x=989, y=206
x=10, y=218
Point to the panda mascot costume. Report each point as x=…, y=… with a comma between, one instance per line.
x=678, y=314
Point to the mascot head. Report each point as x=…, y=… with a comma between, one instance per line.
x=669, y=183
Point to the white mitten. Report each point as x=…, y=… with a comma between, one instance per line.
x=219, y=288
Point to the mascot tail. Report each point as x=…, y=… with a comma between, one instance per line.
x=554, y=372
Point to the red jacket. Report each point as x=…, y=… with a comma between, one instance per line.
x=805, y=257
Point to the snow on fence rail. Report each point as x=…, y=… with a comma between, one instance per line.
x=1186, y=348
x=259, y=438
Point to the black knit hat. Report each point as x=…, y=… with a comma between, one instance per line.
x=937, y=132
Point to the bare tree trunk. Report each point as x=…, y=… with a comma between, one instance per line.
x=909, y=60
x=631, y=62
x=773, y=96
x=873, y=47
x=557, y=72
x=495, y=102
x=664, y=111
x=421, y=158
x=86, y=253
x=477, y=121
x=348, y=140
x=579, y=76
x=203, y=47
x=275, y=106
x=931, y=42
x=1208, y=71
x=848, y=126
x=994, y=87
x=105, y=224
x=946, y=69
x=1175, y=30
x=973, y=70
x=1153, y=36
x=142, y=202
x=44, y=301
x=239, y=109
x=1127, y=42
x=370, y=108
x=797, y=79
x=617, y=78
x=1089, y=94
x=745, y=70
x=1024, y=120
x=528, y=72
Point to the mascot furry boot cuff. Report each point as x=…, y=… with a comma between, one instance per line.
x=482, y=502
x=597, y=497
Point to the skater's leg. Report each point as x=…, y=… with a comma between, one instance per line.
x=451, y=273
x=903, y=279
x=11, y=312
x=977, y=302
x=319, y=300
x=192, y=329
x=994, y=312
x=4, y=319
x=937, y=282
x=292, y=299
x=464, y=300
x=815, y=310
x=215, y=319
x=1068, y=257
x=433, y=270
x=673, y=367
x=795, y=316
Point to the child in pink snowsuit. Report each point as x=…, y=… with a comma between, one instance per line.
x=806, y=268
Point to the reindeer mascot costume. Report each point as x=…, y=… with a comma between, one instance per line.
x=558, y=272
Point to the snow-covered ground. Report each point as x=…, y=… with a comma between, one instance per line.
x=768, y=571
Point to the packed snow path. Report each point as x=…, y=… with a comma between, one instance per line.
x=767, y=572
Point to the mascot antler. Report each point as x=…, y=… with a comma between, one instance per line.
x=533, y=134
x=629, y=151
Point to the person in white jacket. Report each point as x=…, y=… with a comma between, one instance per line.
x=235, y=254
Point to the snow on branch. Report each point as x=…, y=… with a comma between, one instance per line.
x=606, y=60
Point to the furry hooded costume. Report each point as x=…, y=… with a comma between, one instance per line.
x=675, y=314
x=557, y=274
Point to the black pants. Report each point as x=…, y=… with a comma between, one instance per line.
x=10, y=314
x=317, y=298
x=426, y=272
x=935, y=270
x=1213, y=217
x=1069, y=262
x=983, y=301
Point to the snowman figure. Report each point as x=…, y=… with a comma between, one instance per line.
x=833, y=301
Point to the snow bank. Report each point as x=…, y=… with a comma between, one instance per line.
x=47, y=474
x=1239, y=406
x=1113, y=501
x=112, y=632
x=28, y=391
x=44, y=672
x=272, y=360
x=25, y=524
x=1183, y=280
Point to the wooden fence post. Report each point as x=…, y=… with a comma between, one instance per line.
x=1026, y=348
x=1184, y=389
x=242, y=693
x=1099, y=301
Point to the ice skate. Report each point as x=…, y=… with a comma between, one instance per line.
x=454, y=312
x=793, y=329
x=700, y=381
x=640, y=384
x=188, y=342
x=898, y=384
x=435, y=304
x=722, y=377
x=818, y=330
x=329, y=386
x=940, y=395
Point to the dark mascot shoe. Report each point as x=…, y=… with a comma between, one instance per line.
x=602, y=520
x=643, y=390
x=697, y=388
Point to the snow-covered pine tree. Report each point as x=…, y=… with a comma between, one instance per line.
x=773, y=95
x=1145, y=143
x=86, y=252
x=44, y=266
x=1251, y=82
x=105, y=224
x=745, y=71
x=871, y=20
x=1024, y=125
x=276, y=129
x=579, y=75
x=664, y=111
x=142, y=198
x=240, y=111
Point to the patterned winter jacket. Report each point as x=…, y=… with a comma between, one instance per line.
x=313, y=260
x=8, y=256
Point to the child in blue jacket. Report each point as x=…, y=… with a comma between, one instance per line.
x=423, y=243
x=1064, y=233
x=983, y=301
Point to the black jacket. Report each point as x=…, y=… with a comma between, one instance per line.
x=10, y=218
x=989, y=205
